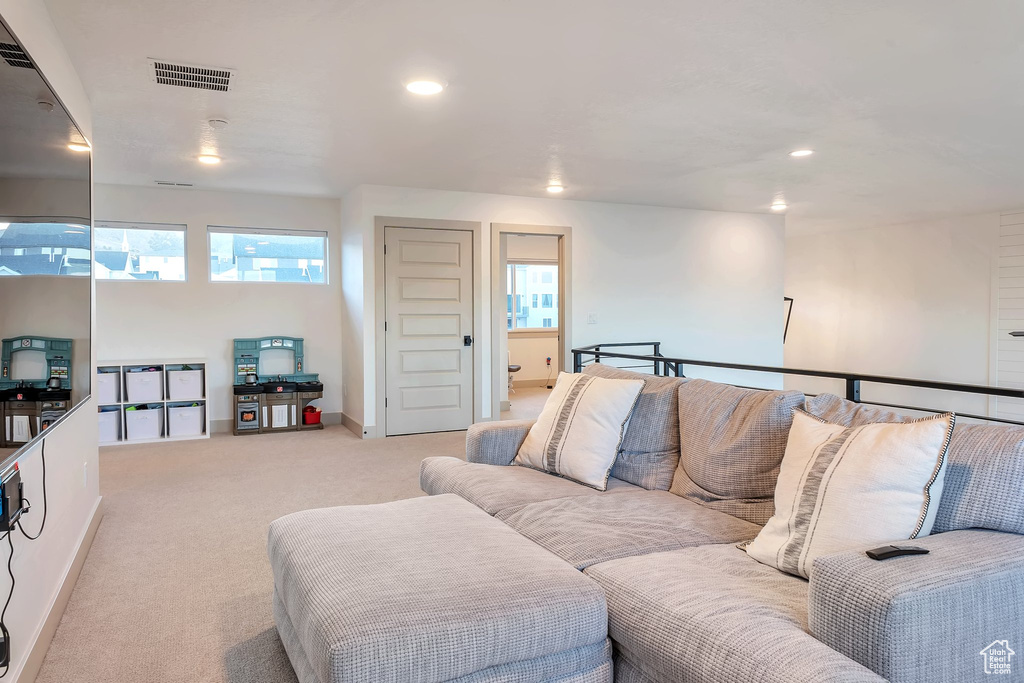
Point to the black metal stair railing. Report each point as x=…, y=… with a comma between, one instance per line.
x=675, y=367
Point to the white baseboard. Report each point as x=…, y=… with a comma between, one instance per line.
x=542, y=382
x=359, y=430
x=44, y=637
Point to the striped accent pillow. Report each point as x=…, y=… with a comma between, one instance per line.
x=842, y=488
x=580, y=429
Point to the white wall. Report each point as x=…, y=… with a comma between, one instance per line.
x=531, y=353
x=906, y=300
x=72, y=457
x=146, y=320
x=708, y=284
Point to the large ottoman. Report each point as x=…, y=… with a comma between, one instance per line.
x=430, y=589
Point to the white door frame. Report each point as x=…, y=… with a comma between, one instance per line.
x=499, y=362
x=476, y=228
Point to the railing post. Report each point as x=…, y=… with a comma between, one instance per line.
x=853, y=390
x=657, y=364
x=597, y=356
x=577, y=361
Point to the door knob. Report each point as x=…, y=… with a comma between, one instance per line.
x=467, y=340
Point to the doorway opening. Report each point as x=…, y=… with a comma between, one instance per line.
x=531, y=300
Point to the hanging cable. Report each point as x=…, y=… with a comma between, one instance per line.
x=42, y=525
x=3, y=613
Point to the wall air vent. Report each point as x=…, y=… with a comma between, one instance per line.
x=15, y=56
x=171, y=183
x=191, y=76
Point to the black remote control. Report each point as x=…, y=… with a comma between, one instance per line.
x=887, y=551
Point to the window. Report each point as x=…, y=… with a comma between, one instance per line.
x=531, y=283
x=140, y=251
x=44, y=249
x=267, y=255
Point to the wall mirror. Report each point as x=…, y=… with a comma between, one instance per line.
x=45, y=255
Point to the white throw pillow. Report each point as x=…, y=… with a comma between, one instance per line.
x=579, y=431
x=842, y=488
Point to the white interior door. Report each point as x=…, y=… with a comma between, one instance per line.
x=429, y=326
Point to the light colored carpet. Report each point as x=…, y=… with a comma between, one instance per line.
x=527, y=403
x=177, y=586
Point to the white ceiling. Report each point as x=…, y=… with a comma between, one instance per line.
x=914, y=107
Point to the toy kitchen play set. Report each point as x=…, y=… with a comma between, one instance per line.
x=35, y=386
x=272, y=393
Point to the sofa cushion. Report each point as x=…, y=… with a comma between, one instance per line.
x=731, y=444
x=494, y=488
x=586, y=530
x=712, y=614
x=580, y=429
x=649, y=453
x=984, y=487
x=831, y=408
x=984, y=480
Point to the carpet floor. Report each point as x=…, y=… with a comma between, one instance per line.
x=527, y=403
x=177, y=586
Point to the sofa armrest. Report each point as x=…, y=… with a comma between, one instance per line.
x=496, y=443
x=923, y=617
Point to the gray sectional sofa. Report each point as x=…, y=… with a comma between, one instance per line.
x=694, y=478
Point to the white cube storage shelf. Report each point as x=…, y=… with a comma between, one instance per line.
x=144, y=402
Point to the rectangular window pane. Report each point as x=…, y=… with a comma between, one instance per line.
x=243, y=255
x=140, y=251
x=534, y=287
x=60, y=249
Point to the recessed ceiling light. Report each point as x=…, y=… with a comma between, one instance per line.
x=779, y=206
x=78, y=147
x=555, y=188
x=424, y=87
x=801, y=153
x=209, y=159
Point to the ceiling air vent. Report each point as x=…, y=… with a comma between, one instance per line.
x=190, y=76
x=171, y=183
x=15, y=56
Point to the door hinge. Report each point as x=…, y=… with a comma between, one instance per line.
x=385, y=325
x=385, y=249
x=385, y=403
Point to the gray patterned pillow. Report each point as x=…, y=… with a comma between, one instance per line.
x=984, y=480
x=840, y=411
x=731, y=445
x=649, y=452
